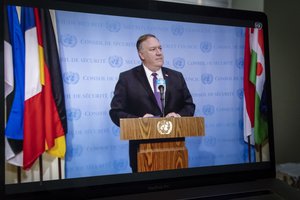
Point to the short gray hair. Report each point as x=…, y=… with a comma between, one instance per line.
x=142, y=38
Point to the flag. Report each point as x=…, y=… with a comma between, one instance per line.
x=249, y=93
x=258, y=77
x=34, y=143
x=8, y=59
x=255, y=120
x=14, y=65
x=43, y=128
x=52, y=62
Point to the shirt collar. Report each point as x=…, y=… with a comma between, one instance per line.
x=149, y=72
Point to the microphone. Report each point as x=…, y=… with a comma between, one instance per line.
x=161, y=85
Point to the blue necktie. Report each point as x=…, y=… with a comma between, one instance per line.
x=156, y=93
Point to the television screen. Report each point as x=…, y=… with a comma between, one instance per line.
x=216, y=50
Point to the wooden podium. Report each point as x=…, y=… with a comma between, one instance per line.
x=156, y=153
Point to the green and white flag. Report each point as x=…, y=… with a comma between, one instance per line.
x=258, y=77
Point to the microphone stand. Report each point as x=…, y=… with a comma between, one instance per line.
x=162, y=99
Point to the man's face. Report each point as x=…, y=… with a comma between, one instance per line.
x=151, y=54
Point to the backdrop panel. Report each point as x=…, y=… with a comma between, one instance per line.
x=94, y=49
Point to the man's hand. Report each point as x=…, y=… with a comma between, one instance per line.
x=148, y=115
x=172, y=114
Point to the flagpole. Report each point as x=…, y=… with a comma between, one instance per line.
x=19, y=174
x=249, y=149
x=41, y=168
x=59, y=168
x=260, y=152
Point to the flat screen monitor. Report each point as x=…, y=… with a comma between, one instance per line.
x=213, y=48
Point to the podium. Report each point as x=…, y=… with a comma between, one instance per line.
x=161, y=150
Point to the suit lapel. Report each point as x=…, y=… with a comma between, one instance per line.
x=141, y=76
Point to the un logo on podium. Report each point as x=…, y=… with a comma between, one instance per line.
x=164, y=127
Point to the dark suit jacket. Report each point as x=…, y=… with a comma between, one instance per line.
x=133, y=97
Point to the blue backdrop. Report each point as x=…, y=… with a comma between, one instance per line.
x=94, y=49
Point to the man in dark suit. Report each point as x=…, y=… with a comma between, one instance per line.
x=134, y=92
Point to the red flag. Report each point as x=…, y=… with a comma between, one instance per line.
x=249, y=91
x=43, y=127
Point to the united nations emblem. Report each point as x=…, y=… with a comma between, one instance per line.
x=164, y=127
